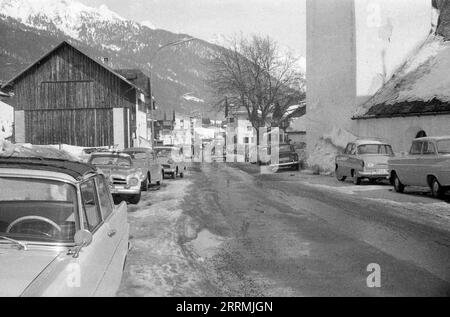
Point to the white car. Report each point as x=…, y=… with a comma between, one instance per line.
x=60, y=232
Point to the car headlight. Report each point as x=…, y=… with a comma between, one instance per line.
x=370, y=165
x=133, y=181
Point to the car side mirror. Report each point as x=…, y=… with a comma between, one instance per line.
x=83, y=238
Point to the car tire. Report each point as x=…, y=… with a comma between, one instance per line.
x=398, y=185
x=144, y=185
x=163, y=174
x=134, y=199
x=436, y=189
x=181, y=175
x=356, y=179
x=296, y=167
x=340, y=178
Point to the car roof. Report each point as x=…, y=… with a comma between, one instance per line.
x=137, y=149
x=369, y=141
x=433, y=138
x=77, y=170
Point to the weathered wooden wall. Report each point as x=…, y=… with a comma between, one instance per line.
x=68, y=98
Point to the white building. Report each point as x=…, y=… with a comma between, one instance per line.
x=240, y=135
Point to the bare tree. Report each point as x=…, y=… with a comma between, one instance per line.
x=255, y=75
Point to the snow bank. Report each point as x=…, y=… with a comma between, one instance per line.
x=6, y=120
x=67, y=152
x=328, y=146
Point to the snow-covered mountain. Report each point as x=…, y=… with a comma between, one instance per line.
x=29, y=28
x=65, y=15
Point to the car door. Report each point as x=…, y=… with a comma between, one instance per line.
x=342, y=161
x=353, y=161
x=117, y=232
x=427, y=163
x=154, y=167
x=410, y=169
x=84, y=271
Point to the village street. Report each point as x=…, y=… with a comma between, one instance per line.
x=229, y=230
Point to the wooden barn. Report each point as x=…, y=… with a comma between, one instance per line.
x=67, y=97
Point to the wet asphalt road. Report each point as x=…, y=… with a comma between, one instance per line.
x=274, y=237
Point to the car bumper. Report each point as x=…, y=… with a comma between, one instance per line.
x=122, y=190
x=285, y=164
x=382, y=173
x=169, y=170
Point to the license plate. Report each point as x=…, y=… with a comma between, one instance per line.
x=380, y=171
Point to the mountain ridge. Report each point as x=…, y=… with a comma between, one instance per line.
x=180, y=71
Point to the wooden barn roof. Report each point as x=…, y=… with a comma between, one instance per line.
x=11, y=82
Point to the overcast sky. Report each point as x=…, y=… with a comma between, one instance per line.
x=283, y=20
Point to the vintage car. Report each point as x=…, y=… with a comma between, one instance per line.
x=426, y=165
x=287, y=158
x=145, y=159
x=60, y=232
x=171, y=159
x=364, y=159
x=126, y=180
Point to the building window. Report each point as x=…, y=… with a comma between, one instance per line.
x=231, y=120
x=246, y=140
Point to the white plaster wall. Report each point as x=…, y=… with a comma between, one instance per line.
x=399, y=132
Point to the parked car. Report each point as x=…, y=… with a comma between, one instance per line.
x=287, y=157
x=145, y=159
x=426, y=165
x=171, y=160
x=364, y=159
x=60, y=232
x=125, y=178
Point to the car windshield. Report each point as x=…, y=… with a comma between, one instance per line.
x=379, y=149
x=443, y=147
x=37, y=210
x=111, y=160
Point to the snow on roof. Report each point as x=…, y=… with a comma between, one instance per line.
x=292, y=109
x=421, y=86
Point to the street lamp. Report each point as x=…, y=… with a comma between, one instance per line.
x=155, y=55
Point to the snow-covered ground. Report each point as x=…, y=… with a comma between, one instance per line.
x=6, y=120
x=159, y=264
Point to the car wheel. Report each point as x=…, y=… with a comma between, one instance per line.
x=436, y=189
x=340, y=178
x=296, y=167
x=356, y=179
x=181, y=175
x=163, y=175
x=134, y=199
x=398, y=186
x=144, y=184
